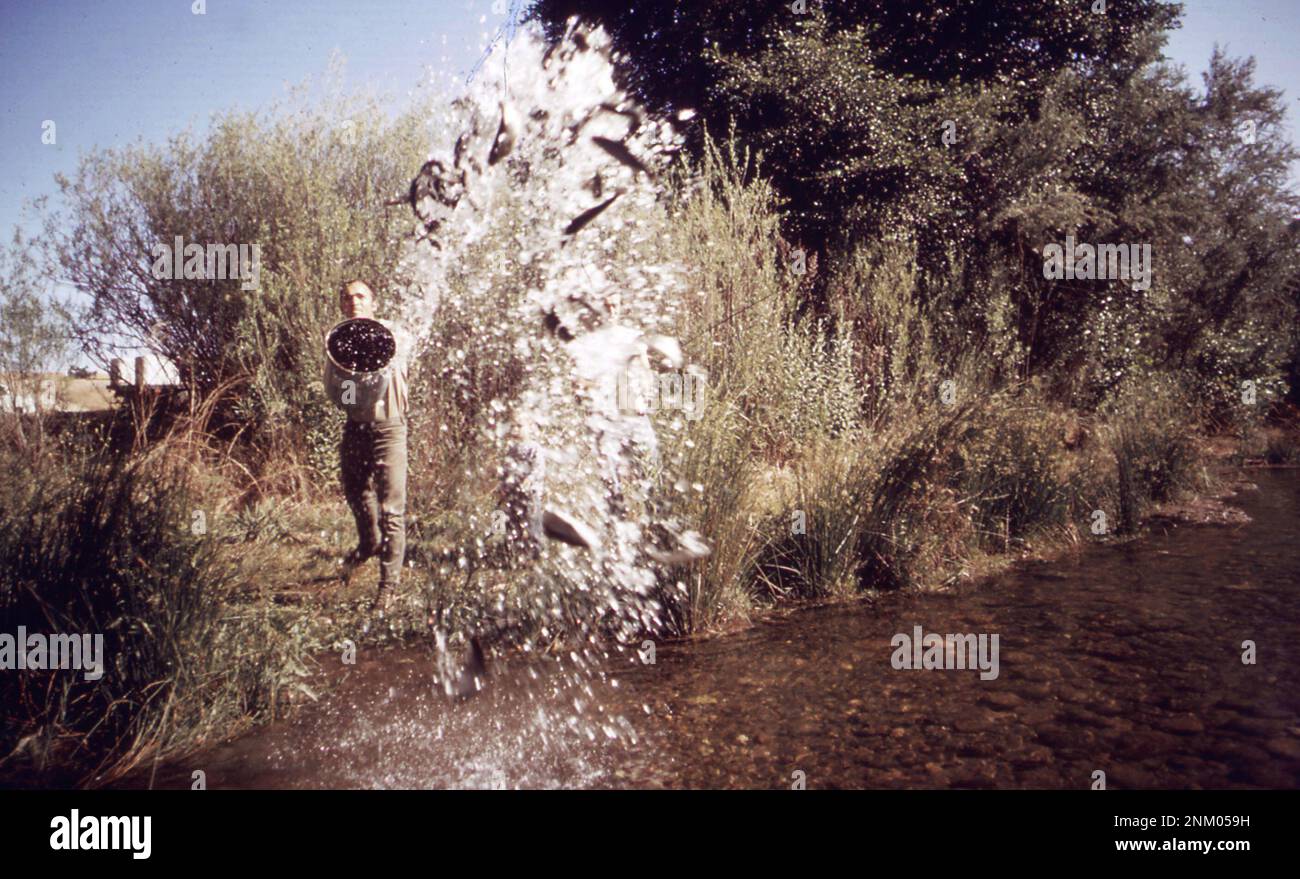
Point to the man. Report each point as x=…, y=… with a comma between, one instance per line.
x=373, y=456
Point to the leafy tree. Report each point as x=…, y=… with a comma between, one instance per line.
x=1203, y=180
x=968, y=134
x=846, y=99
x=307, y=183
x=35, y=333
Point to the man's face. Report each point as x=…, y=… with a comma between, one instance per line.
x=357, y=301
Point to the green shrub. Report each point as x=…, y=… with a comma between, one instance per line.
x=1010, y=478
x=1150, y=424
x=106, y=545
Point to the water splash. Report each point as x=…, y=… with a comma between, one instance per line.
x=541, y=234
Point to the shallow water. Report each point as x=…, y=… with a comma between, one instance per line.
x=1125, y=659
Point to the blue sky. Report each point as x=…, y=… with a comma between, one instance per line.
x=1266, y=29
x=110, y=72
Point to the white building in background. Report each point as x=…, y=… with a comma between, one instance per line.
x=52, y=392
x=24, y=393
x=55, y=392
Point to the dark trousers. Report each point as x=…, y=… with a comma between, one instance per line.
x=373, y=458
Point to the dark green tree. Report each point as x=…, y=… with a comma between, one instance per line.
x=847, y=99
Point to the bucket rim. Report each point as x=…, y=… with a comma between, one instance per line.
x=352, y=320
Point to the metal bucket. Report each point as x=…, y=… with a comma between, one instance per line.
x=357, y=354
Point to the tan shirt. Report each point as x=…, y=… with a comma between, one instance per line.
x=393, y=403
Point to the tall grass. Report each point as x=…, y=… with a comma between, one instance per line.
x=887, y=446
x=1147, y=430
x=1011, y=479
x=116, y=544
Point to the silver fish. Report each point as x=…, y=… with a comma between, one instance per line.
x=691, y=546
x=621, y=153
x=588, y=215
x=567, y=529
x=507, y=131
x=665, y=352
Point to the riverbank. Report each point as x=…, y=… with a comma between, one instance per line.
x=1226, y=476
x=278, y=567
x=1123, y=658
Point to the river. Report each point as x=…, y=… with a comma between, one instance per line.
x=1125, y=659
